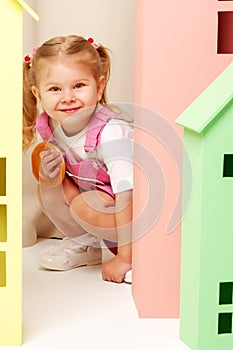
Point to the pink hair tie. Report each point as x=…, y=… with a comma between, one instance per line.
x=93, y=43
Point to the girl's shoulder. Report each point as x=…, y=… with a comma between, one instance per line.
x=116, y=129
x=118, y=125
x=115, y=112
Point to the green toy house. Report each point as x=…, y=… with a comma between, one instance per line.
x=207, y=229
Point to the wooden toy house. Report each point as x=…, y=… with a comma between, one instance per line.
x=11, y=30
x=207, y=229
x=180, y=50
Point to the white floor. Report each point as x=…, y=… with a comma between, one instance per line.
x=77, y=310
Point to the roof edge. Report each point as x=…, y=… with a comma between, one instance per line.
x=209, y=103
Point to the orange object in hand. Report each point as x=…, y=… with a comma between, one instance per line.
x=36, y=166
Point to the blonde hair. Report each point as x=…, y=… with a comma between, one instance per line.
x=62, y=46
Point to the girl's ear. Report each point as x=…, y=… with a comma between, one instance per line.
x=36, y=93
x=100, y=87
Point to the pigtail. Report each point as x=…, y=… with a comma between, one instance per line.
x=105, y=69
x=29, y=108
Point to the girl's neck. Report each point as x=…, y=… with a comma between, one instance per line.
x=73, y=125
x=69, y=127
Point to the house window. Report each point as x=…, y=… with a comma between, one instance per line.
x=228, y=165
x=225, y=298
x=225, y=30
x=3, y=223
x=225, y=323
x=2, y=176
x=2, y=269
x=225, y=293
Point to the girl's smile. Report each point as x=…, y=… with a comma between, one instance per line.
x=70, y=110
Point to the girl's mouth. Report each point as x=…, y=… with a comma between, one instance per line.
x=70, y=110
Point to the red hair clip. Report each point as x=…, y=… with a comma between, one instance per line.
x=28, y=59
x=93, y=43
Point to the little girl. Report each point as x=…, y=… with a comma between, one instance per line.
x=84, y=163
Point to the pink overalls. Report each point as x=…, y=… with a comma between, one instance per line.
x=91, y=168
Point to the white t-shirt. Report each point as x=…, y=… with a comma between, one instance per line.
x=115, y=150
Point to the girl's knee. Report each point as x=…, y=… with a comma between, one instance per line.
x=92, y=206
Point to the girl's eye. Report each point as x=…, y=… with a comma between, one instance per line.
x=54, y=88
x=79, y=85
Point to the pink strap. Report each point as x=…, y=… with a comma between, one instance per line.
x=42, y=125
x=94, y=129
x=96, y=126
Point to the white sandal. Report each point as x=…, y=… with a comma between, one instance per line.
x=67, y=254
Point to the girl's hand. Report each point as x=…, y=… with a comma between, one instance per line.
x=115, y=269
x=50, y=163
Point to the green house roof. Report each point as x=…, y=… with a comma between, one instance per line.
x=208, y=105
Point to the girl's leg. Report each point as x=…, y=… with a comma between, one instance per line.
x=66, y=254
x=55, y=203
x=75, y=213
x=95, y=212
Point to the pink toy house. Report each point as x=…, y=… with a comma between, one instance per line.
x=181, y=47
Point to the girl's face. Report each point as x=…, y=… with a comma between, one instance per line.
x=66, y=88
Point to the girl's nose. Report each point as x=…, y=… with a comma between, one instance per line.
x=68, y=97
